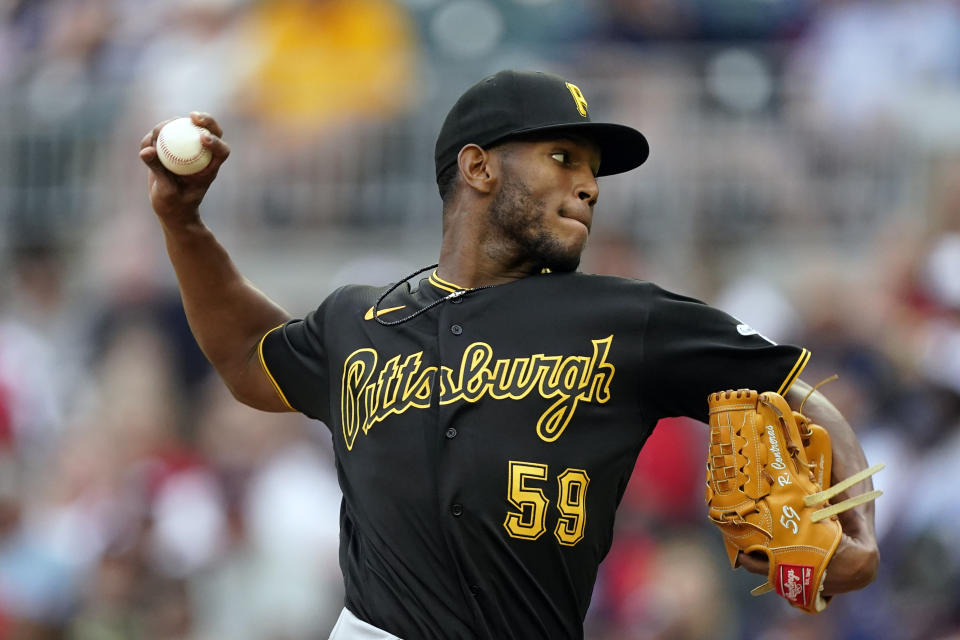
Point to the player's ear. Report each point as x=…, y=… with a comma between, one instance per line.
x=475, y=170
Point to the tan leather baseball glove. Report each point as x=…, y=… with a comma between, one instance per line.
x=768, y=490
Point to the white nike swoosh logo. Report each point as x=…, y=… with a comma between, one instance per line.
x=746, y=330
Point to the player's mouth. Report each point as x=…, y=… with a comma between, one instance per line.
x=584, y=218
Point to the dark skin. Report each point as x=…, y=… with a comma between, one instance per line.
x=227, y=314
x=517, y=207
x=498, y=228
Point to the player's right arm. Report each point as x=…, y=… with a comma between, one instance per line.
x=227, y=314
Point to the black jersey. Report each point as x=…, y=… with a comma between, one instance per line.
x=483, y=446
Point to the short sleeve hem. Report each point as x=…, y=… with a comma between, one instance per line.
x=266, y=369
x=798, y=367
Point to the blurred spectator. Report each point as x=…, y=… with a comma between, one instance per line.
x=325, y=61
x=282, y=504
x=705, y=19
x=329, y=74
x=667, y=482
x=941, y=279
x=671, y=589
x=197, y=58
x=861, y=59
x=759, y=302
x=109, y=609
x=41, y=348
x=56, y=95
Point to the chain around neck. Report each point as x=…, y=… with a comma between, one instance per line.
x=450, y=296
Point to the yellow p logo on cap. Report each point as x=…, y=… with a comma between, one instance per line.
x=578, y=98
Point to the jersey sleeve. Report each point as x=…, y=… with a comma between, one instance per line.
x=294, y=357
x=692, y=350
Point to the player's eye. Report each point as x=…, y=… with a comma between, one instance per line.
x=561, y=156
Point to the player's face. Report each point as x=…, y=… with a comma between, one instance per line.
x=544, y=207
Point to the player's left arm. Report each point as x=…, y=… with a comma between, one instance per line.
x=854, y=565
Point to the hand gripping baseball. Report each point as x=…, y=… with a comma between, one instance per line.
x=768, y=491
x=176, y=198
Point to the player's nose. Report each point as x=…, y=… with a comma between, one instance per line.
x=588, y=189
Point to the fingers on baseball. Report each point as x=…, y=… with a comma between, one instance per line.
x=213, y=140
x=147, y=140
x=151, y=138
x=166, y=180
x=148, y=146
x=205, y=120
x=151, y=159
x=217, y=146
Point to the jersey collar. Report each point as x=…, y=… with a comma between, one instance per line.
x=446, y=286
x=441, y=284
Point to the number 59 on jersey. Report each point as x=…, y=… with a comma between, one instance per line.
x=525, y=482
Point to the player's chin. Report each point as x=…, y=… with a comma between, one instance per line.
x=574, y=230
x=557, y=251
x=563, y=261
x=576, y=242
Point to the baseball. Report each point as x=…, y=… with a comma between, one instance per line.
x=179, y=147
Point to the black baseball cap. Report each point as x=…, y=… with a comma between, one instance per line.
x=511, y=103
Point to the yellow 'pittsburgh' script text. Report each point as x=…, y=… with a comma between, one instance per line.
x=370, y=394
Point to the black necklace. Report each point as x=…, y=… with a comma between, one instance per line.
x=450, y=296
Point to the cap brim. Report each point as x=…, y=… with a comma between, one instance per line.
x=622, y=148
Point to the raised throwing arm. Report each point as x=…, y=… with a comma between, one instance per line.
x=227, y=314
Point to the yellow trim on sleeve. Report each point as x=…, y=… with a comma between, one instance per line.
x=440, y=283
x=795, y=372
x=267, y=370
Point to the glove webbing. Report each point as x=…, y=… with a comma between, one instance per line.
x=826, y=494
x=849, y=503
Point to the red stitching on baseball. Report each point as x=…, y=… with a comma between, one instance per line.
x=162, y=144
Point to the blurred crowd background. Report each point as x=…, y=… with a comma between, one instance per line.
x=804, y=175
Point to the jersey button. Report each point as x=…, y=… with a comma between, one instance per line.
x=452, y=432
x=456, y=329
x=456, y=509
x=474, y=590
